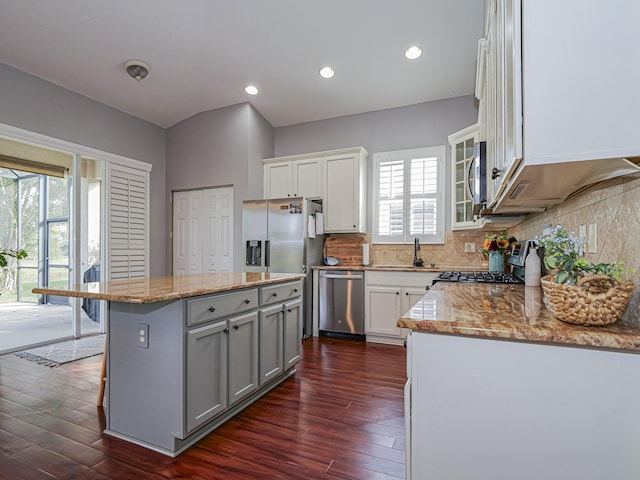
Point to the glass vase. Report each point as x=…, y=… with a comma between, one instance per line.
x=496, y=261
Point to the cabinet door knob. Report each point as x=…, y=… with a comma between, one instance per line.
x=274, y=294
x=406, y=293
x=495, y=173
x=236, y=327
x=289, y=310
x=295, y=290
x=212, y=309
x=397, y=293
x=247, y=301
x=226, y=330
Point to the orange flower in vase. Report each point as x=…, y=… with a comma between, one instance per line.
x=496, y=246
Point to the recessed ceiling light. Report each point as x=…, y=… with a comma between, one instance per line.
x=251, y=90
x=413, y=52
x=327, y=72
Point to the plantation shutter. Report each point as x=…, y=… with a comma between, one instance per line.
x=409, y=196
x=423, y=200
x=127, y=222
x=391, y=200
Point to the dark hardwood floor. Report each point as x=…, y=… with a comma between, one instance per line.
x=340, y=416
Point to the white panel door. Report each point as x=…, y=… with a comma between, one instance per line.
x=211, y=218
x=203, y=231
x=225, y=227
x=195, y=231
x=180, y=233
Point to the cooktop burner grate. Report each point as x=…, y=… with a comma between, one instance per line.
x=478, y=277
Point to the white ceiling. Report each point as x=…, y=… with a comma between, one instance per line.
x=203, y=52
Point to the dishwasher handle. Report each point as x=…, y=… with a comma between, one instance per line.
x=341, y=277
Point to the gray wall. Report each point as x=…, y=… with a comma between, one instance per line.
x=36, y=105
x=422, y=125
x=220, y=147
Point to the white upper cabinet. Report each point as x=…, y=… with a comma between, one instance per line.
x=278, y=181
x=298, y=178
x=462, y=147
x=558, y=98
x=338, y=177
x=345, y=192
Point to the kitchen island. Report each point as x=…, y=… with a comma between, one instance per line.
x=499, y=389
x=187, y=353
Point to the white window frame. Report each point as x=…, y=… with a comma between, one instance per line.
x=439, y=152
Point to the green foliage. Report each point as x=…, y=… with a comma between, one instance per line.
x=9, y=252
x=562, y=253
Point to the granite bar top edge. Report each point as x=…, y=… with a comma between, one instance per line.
x=160, y=289
x=511, y=312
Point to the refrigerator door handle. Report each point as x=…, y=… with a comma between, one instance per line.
x=267, y=253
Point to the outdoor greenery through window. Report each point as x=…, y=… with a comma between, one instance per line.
x=409, y=196
x=22, y=218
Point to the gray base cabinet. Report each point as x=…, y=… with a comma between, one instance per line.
x=206, y=373
x=206, y=359
x=292, y=335
x=271, y=343
x=243, y=356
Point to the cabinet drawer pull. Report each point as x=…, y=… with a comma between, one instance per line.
x=295, y=290
x=289, y=310
x=226, y=330
x=247, y=301
x=212, y=309
x=236, y=327
x=406, y=293
x=274, y=294
x=397, y=293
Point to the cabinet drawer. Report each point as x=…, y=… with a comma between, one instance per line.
x=400, y=279
x=280, y=293
x=217, y=306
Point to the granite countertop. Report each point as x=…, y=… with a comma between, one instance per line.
x=393, y=268
x=512, y=312
x=158, y=289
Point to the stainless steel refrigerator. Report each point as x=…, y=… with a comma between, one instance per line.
x=276, y=238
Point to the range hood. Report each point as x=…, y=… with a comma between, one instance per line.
x=534, y=188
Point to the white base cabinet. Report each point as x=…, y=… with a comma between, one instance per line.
x=388, y=295
x=499, y=410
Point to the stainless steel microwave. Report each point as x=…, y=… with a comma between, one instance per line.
x=477, y=177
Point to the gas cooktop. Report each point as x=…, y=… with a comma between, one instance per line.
x=478, y=277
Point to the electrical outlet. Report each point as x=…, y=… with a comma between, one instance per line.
x=469, y=247
x=143, y=335
x=592, y=238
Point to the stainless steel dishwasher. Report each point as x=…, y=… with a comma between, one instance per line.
x=341, y=301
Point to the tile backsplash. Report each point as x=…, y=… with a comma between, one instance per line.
x=614, y=206
x=451, y=254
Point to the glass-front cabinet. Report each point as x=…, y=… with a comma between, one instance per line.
x=462, y=143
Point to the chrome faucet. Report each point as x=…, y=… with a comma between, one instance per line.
x=417, y=262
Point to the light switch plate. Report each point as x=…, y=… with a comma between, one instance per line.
x=583, y=237
x=592, y=238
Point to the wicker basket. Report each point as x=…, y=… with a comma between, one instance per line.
x=594, y=300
